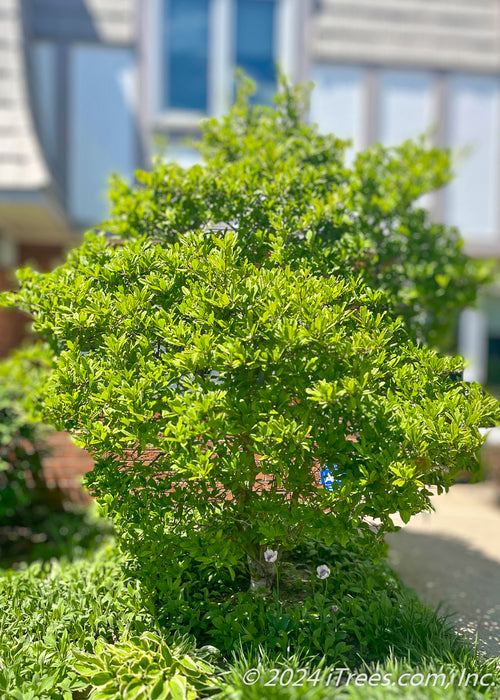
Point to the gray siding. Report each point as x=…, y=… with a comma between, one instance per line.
x=22, y=166
x=108, y=21
x=447, y=34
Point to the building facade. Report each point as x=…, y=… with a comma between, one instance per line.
x=90, y=87
x=388, y=70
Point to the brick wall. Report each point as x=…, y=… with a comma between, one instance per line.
x=42, y=257
x=14, y=325
x=64, y=467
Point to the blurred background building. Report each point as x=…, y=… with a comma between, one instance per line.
x=90, y=87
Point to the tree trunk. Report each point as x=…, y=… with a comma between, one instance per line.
x=262, y=573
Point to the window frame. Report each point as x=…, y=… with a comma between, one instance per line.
x=221, y=60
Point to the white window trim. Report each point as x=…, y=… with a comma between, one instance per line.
x=221, y=60
x=473, y=344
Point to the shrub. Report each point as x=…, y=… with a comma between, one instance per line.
x=208, y=605
x=282, y=185
x=229, y=371
x=362, y=611
x=47, y=532
x=35, y=520
x=22, y=484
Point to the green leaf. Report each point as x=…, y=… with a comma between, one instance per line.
x=160, y=690
x=101, y=678
x=178, y=687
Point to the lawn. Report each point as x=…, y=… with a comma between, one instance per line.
x=80, y=626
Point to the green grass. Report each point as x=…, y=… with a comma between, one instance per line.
x=53, y=611
x=390, y=678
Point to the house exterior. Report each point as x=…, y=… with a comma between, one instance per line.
x=88, y=87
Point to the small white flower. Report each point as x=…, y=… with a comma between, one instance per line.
x=270, y=555
x=322, y=571
x=335, y=609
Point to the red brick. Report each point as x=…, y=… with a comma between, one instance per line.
x=65, y=466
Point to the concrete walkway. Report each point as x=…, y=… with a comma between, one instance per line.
x=452, y=556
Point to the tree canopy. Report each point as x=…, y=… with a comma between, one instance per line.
x=240, y=325
x=284, y=186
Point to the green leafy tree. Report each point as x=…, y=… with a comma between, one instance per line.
x=211, y=390
x=280, y=183
x=247, y=321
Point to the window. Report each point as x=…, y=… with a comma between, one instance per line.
x=406, y=105
x=255, y=21
x=471, y=202
x=101, y=127
x=337, y=101
x=202, y=42
x=186, y=54
x=182, y=153
x=489, y=307
x=45, y=95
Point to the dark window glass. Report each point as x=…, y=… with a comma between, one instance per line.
x=186, y=54
x=494, y=361
x=255, y=24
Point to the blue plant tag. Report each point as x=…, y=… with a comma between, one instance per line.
x=327, y=478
